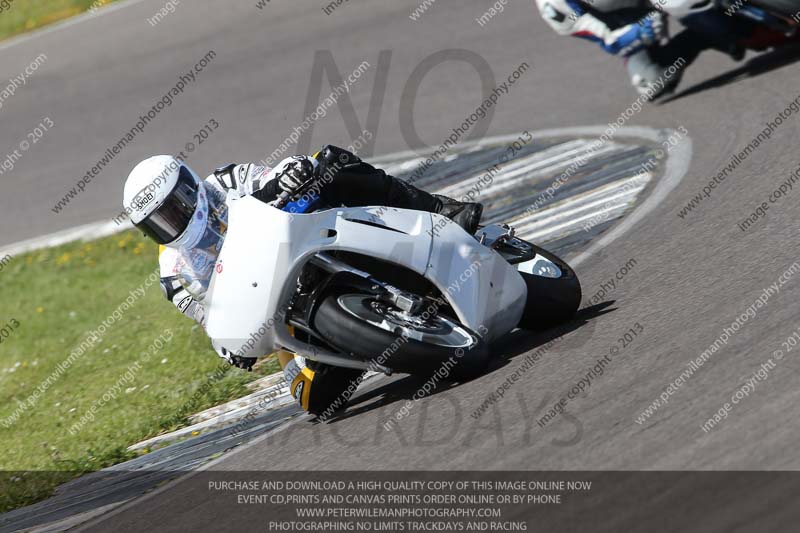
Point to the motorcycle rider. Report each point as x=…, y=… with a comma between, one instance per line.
x=637, y=31
x=187, y=216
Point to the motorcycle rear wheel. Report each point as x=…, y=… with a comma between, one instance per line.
x=372, y=330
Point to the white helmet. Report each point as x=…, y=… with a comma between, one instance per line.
x=164, y=198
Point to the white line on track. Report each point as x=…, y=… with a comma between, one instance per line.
x=569, y=212
x=676, y=167
x=87, y=232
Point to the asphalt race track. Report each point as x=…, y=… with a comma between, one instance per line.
x=691, y=276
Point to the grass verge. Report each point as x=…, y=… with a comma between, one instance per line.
x=19, y=16
x=121, y=388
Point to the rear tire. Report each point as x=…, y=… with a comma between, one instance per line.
x=550, y=301
x=359, y=324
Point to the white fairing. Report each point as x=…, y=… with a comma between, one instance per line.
x=683, y=8
x=483, y=288
x=265, y=250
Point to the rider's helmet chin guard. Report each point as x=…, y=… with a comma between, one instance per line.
x=167, y=201
x=197, y=225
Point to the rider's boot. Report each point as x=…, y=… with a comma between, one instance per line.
x=320, y=389
x=465, y=214
x=649, y=78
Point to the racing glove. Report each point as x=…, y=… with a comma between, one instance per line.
x=629, y=39
x=245, y=363
x=293, y=173
x=186, y=303
x=654, y=28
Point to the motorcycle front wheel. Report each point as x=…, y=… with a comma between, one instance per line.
x=370, y=329
x=554, y=291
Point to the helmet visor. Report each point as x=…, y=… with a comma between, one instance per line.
x=171, y=219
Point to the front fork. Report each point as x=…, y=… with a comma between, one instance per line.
x=292, y=345
x=405, y=301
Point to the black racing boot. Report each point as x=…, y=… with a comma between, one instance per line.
x=465, y=214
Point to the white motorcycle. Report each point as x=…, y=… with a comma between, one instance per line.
x=385, y=289
x=779, y=15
